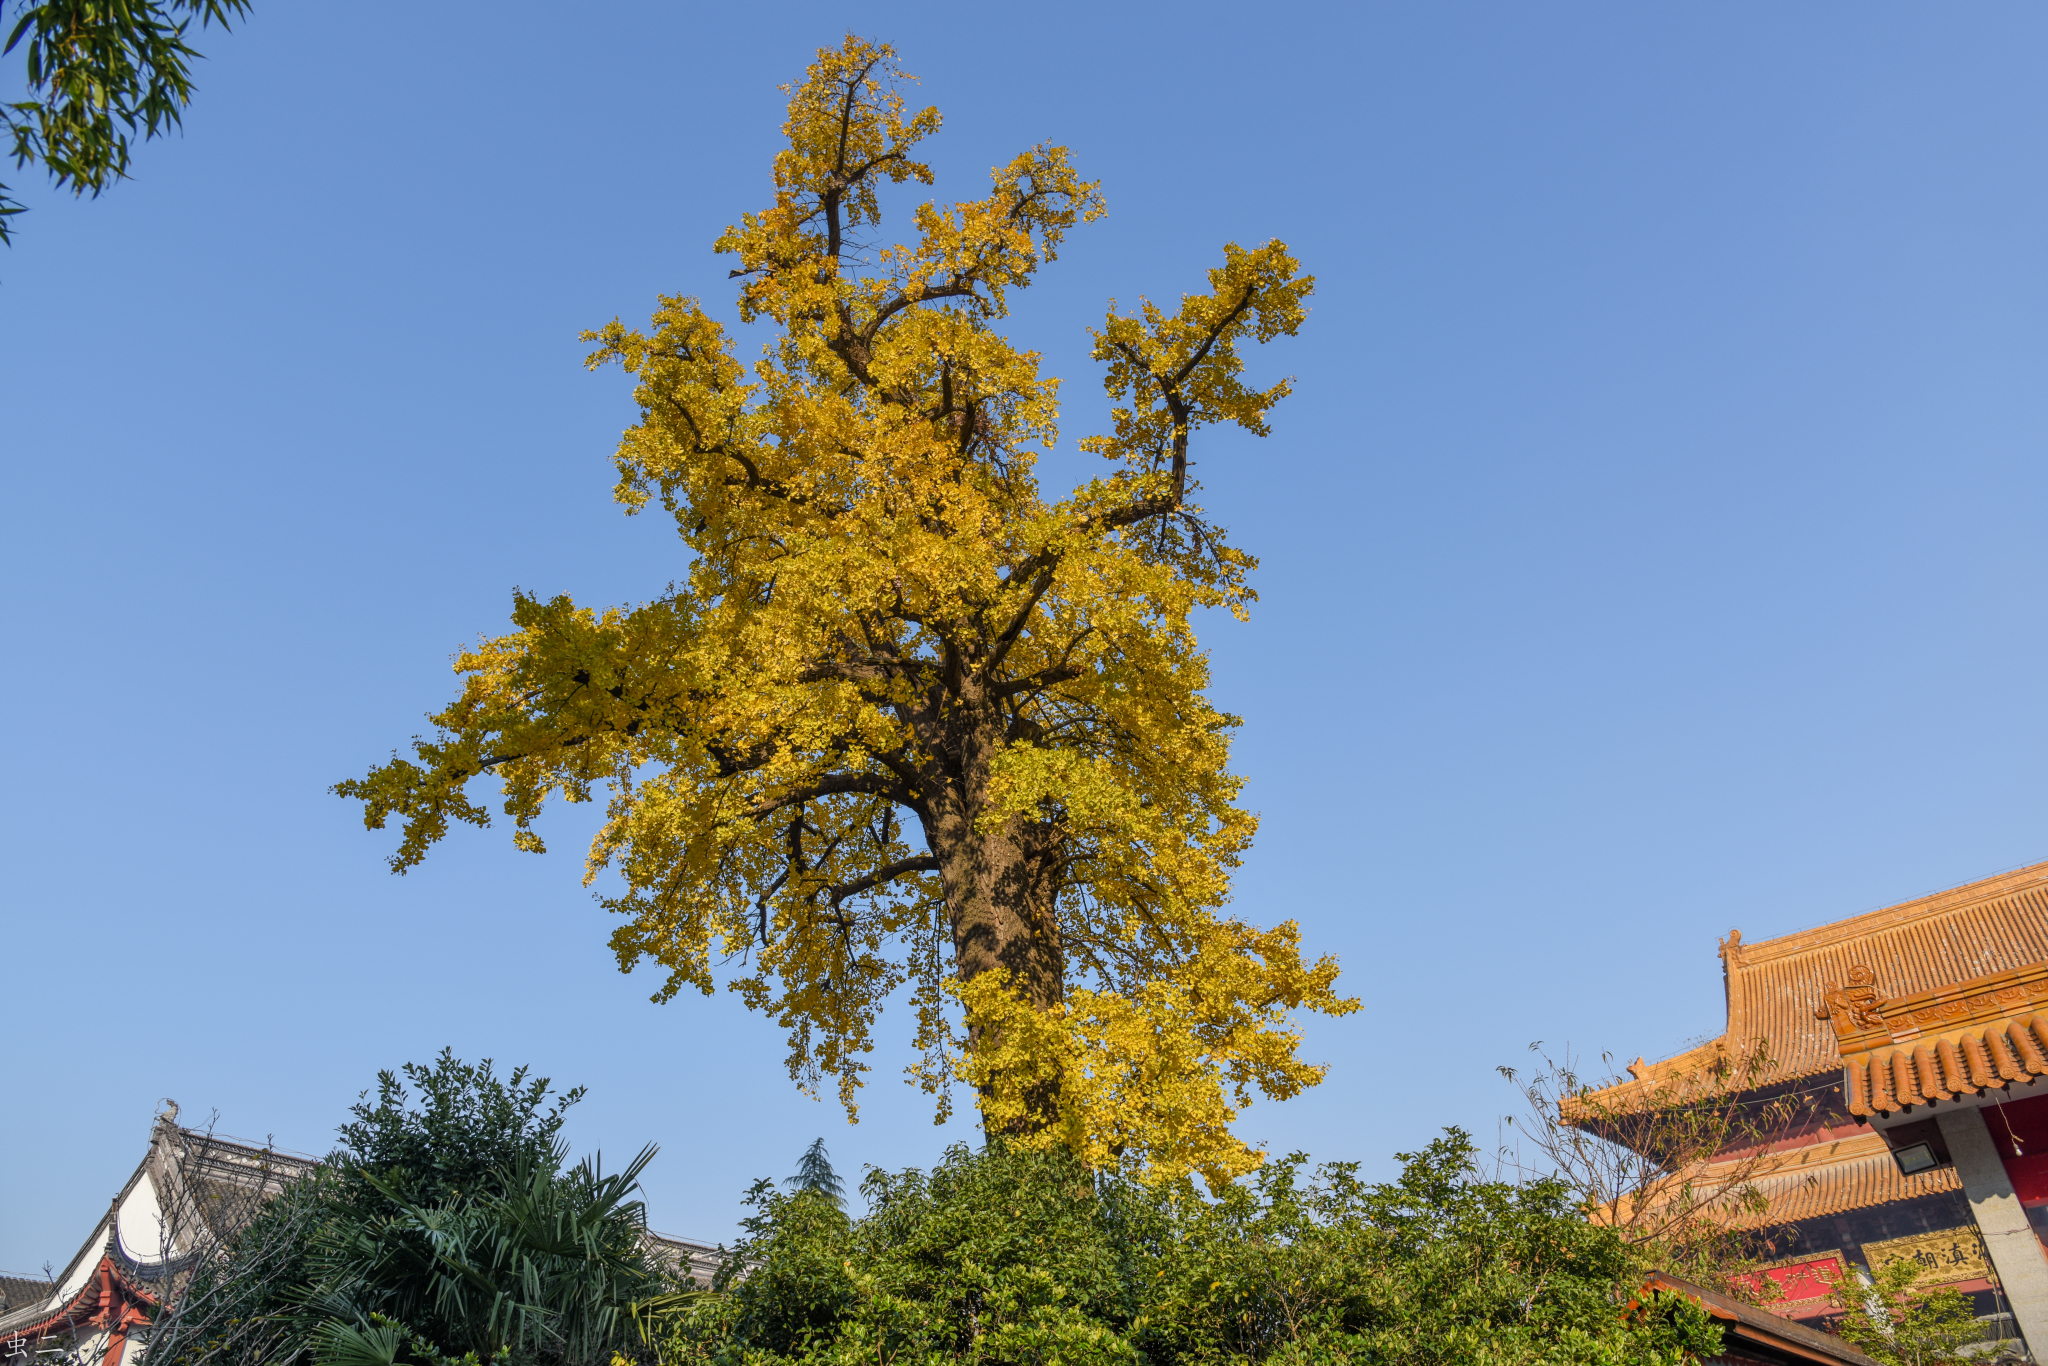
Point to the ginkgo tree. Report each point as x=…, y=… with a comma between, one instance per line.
x=909, y=726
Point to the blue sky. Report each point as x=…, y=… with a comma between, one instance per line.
x=1654, y=545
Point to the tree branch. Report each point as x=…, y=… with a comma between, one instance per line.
x=922, y=863
x=1062, y=672
x=873, y=784
x=1180, y=376
x=845, y=671
x=1015, y=630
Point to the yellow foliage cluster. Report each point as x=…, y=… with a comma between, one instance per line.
x=1159, y=1068
x=885, y=622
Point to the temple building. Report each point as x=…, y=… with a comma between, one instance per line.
x=190, y=1191
x=188, y=1196
x=1908, y=1084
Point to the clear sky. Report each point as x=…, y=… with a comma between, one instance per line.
x=1655, y=544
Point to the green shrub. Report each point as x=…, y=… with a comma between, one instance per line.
x=1901, y=1325
x=446, y=1228
x=1028, y=1258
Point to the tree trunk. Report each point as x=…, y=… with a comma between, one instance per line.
x=1000, y=893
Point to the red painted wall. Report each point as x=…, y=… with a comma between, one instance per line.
x=2020, y=1129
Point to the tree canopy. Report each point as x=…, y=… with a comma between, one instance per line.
x=814, y=1173
x=455, y=1131
x=1013, y=1256
x=909, y=725
x=99, y=73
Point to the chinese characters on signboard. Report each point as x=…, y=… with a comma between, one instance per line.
x=1946, y=1256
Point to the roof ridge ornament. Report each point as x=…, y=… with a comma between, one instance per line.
x=1855, y=1006
x=1731, y=947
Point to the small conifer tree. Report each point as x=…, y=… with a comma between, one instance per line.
x=814, y=1174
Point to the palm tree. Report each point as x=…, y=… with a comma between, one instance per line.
x=550, y=1271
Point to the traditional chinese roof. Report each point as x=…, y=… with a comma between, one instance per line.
x=1755, y=1335
x=1959, y=1040
x=191, y=1187
x=1838, y=1176
x=107, y=1304
x=21, y=1292
x=700, y=1262
x=1776, y=986
x=192, y=1191
x=1825, y=1177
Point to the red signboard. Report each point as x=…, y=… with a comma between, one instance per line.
x=1797, y=1282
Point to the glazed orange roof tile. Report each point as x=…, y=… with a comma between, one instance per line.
x=1835, y=1177
x=1829, y=1177
x=1779, y=989
x=1958, y=1040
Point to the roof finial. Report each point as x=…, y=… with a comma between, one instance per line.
x=169, y=1114
x=1639, y=1069
x=1855, y=1006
